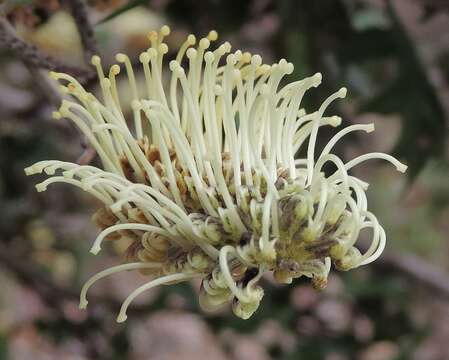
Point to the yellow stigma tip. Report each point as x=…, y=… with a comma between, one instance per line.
x=152, y=53
x=163, y=48
x=56, y=115
x=173, y=65
x=213, y=35
x=29, y=170
x=115, y=70
x=96, y=60
x=204, y=43
x=165, y=30
x=227, y=46
x=136, y=105
x=246, y=57
x=121, y=318
x=191, y=53
x=318, y=77
x=152, y=35
x=335, y=121
x=144, y=57
x=40, y=187
x=95, y=250
x=209, y=57
x=263, y=69
x=54, y=75
x=256, y=60
x=121, y=57
x=230, y=59
x=191, y=39
x=83, y=304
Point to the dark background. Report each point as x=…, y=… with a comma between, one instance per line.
x=394, y=58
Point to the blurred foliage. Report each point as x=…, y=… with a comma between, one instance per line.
x=411, y=95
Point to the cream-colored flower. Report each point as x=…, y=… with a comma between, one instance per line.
x=203, y=177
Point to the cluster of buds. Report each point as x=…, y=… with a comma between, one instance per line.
x=201, y=176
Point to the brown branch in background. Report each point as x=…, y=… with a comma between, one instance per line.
x=414, y=268
x=45, y=84
x=37, y=61
x=78, y=9
x=417, y=269
x=30, y=54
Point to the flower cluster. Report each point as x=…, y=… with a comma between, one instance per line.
x=201, y=176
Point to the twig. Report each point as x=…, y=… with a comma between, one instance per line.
x=413, y=267
x=30, y=54
x=78, y=8
x=417, y=269
x=45, y=84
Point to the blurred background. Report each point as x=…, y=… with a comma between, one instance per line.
x=394, y=58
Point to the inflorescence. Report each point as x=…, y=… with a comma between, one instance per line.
x=202, y=178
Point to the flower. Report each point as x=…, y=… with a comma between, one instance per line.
x=203, y=180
